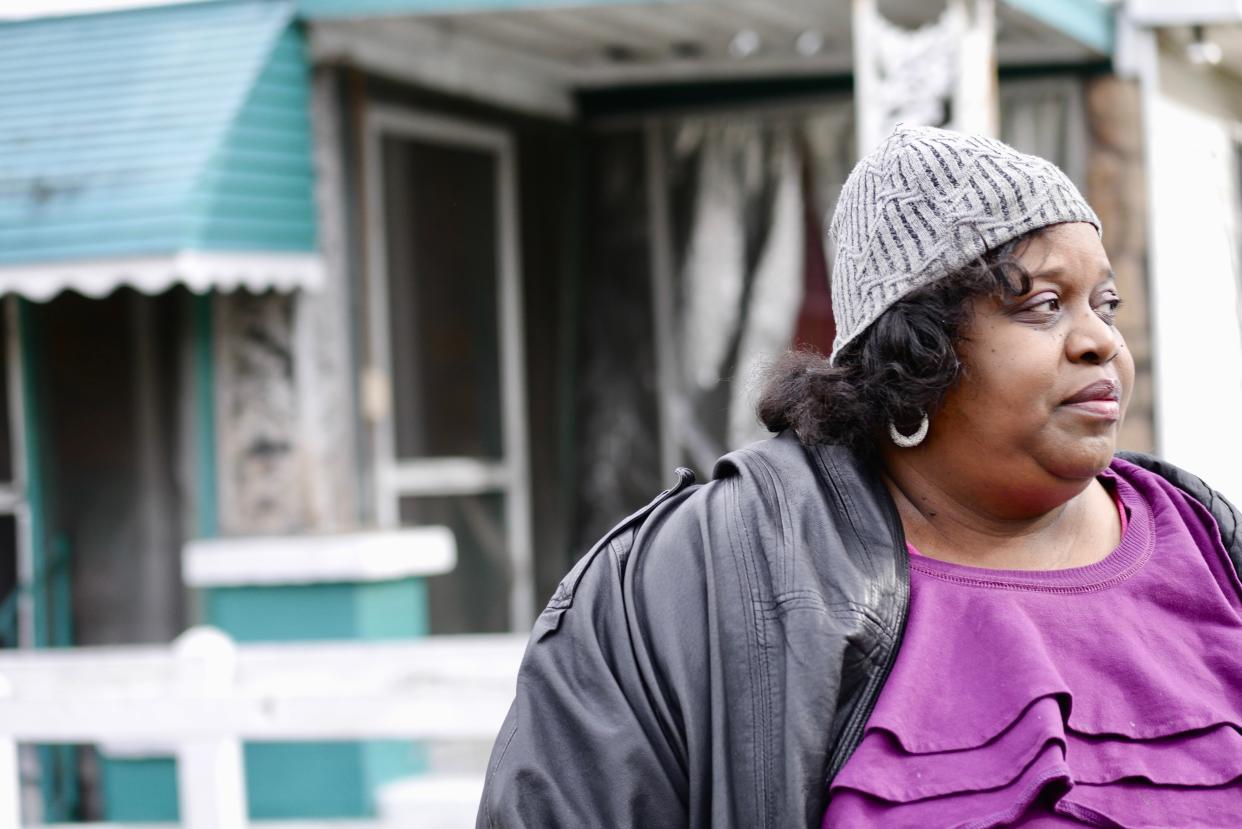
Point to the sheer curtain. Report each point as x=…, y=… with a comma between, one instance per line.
x=1045, y=117
x=749, y=195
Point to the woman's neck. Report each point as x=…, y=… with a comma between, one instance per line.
x=994, y=528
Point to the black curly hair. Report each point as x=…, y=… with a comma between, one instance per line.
x=898, y=368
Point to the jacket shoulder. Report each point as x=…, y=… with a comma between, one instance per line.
x=618, y=541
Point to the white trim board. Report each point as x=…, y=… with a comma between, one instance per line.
x=311, y=559
x=200, y=271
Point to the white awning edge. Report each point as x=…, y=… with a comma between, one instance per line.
x=200, y=271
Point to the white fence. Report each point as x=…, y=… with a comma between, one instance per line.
x=204, y=695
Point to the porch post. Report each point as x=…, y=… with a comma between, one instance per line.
x=29, y=443
x=211, y=777
x=202, y=328
x=975, y=100
x=911, y=77
x=211, y=784
x=10, y=775
x=868, y=112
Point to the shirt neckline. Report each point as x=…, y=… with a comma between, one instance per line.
x=1126, y=559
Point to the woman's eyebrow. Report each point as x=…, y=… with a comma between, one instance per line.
x=1055, y=271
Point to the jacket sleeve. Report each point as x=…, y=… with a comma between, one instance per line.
x=586, y=741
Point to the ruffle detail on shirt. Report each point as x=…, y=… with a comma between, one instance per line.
x=1143, y=806
x=1204, y=758
x=1031, y=777
x=1102, y=723
x=1039, y=760
x=1047, y=775
x=993, y=765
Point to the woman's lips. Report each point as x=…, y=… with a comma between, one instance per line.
x=1100, y=399
x=1107, y=409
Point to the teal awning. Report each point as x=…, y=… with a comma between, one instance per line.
x=156, y=146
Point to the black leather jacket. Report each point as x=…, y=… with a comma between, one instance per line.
x=712, y=662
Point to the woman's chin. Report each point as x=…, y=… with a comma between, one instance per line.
x=1083, y=460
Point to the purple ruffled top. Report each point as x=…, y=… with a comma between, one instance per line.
x=1105, y=695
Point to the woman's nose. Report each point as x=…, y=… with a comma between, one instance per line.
x=1092, y=339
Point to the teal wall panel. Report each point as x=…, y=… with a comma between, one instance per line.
x=329, y=779
x=140, y=790
x=284, y=781
x=283, y=614
x=292, y=613
x=393, y=610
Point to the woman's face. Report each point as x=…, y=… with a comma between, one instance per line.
x=1046, y=375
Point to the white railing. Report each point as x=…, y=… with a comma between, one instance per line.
x=204, y=695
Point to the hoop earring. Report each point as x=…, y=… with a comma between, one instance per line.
x=906, y=442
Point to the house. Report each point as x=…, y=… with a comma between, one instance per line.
x=1188, y=60
x=300, y=267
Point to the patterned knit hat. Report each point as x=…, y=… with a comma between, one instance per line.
x=927, y=202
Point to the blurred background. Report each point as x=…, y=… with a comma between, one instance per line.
x=357, y=321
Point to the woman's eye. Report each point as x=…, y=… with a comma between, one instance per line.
x=1048, y=305
x=1108, y=309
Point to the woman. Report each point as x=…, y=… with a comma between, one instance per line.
x=935, y=598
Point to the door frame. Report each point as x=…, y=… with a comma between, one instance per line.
x=441, y=476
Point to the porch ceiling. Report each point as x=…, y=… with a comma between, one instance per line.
x=1226, y=36
x=1229, y=37
x=593, y=45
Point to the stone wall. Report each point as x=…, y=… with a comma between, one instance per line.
x=1117, y=189
x=262, y=485
x=285, y=452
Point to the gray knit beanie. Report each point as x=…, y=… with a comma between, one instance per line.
x=927, y=202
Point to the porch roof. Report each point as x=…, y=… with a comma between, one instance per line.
x=155, y=146
x=1089, y=24
x=536, y=54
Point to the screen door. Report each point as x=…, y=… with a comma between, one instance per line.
x=450, y=437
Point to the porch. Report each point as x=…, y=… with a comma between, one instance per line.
x=530, y=258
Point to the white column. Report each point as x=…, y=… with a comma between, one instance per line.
x=1195, y=265
x=975, y=106
x=10, y=775
x=211, y=784
x=211, y=777
x=869, y=116
x=909, y=76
